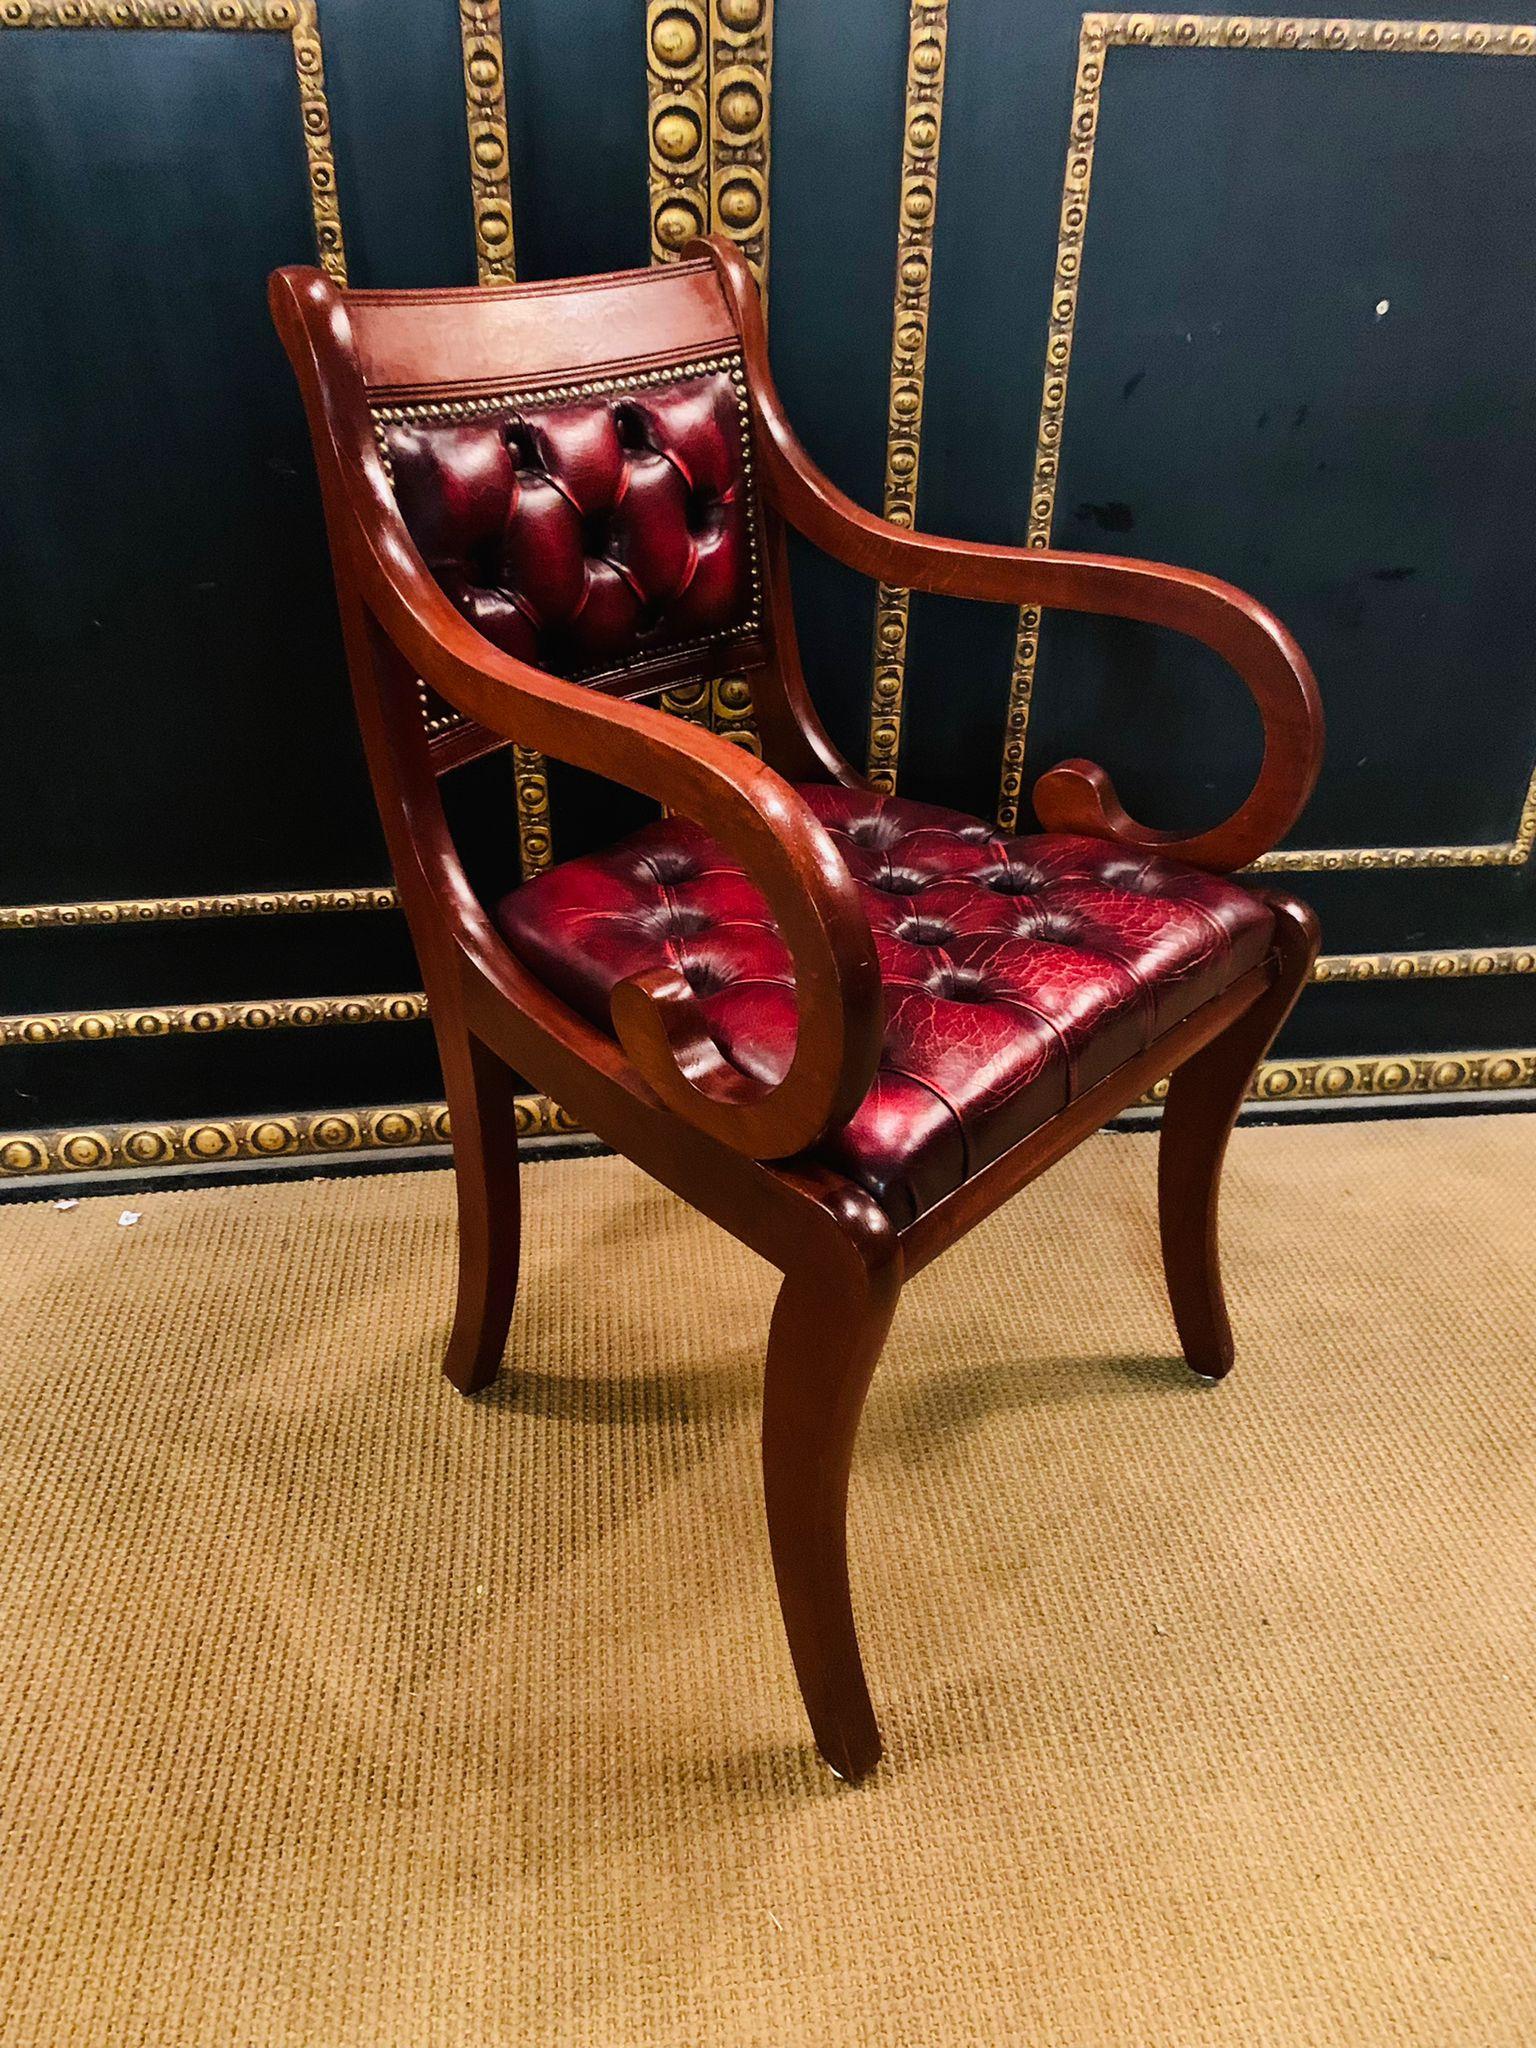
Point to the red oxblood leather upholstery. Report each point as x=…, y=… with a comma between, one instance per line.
x=1017, y=972
x=583, y=535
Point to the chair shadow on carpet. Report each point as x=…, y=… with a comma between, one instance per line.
x=914, y=1416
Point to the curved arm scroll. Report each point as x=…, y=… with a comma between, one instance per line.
x=735, y=796
x=1075, y=796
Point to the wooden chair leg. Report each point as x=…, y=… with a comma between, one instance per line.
x=482, y=1106
x=829, y=1324
x=1203, y=1101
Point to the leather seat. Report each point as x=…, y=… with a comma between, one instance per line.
x=1017, y=972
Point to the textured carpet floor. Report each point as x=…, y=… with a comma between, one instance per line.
x=339, y=1710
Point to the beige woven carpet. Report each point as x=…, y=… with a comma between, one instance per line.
x=340, y=1710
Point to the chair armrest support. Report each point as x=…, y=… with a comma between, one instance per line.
x=1075, y=796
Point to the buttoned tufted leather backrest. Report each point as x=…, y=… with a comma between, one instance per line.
x=588, y=527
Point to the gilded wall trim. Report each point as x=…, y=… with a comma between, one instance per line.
x=202, y=1020
x=1408, y=1073
x=283, y=1134
x=30, y=917
x=922, y=117
x=490, y=176
x=1100, y=34
x=297, y=19
x=1446, y=963
x=740, y=82
x=103, y=1148
x=294, y=1013
x=709, y=66
x=485, y=108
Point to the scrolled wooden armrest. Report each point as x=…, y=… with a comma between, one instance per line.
x=740, y=800
x=1075, y=796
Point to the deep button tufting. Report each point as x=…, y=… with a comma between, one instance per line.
x=921, y=931
x=964, y=985
x=1010, y=881
x=579, y=535
x=631, y=425
x=670, y=865
x=1037, y=990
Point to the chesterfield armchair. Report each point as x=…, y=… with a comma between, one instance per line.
x=843, y=1024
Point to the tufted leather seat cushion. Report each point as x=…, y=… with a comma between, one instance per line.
x=584, y=534
x=1017, y=972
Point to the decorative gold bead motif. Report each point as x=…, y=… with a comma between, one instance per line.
x=1101, y=33
x=740, y=107
x=928, y=28
x=678, y=135
x=675, y=38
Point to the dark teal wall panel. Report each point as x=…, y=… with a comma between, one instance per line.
x=168, y=629
x=836, y=178
x=394, y=78
x=1238, y=401
x=576, y=115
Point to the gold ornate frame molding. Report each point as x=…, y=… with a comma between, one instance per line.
x=922, y=131
x=298, y=1013
x=402, y=1127
x=709, y=87
x=485, y=111
x=1100, y=34
x=282, y=1134
x=296, y=19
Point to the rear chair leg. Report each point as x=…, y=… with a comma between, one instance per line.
x=482, y=1106
x=829, y=1325
x=1203, y=1101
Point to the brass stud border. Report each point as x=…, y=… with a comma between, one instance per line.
x=1101, y=33
x=204, y=1020
x=922, y=117
x=101, y=1148
x=297, y=19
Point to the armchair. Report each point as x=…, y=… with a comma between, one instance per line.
x=844, y=1025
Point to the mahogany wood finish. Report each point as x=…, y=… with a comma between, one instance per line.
x=748, y=1140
